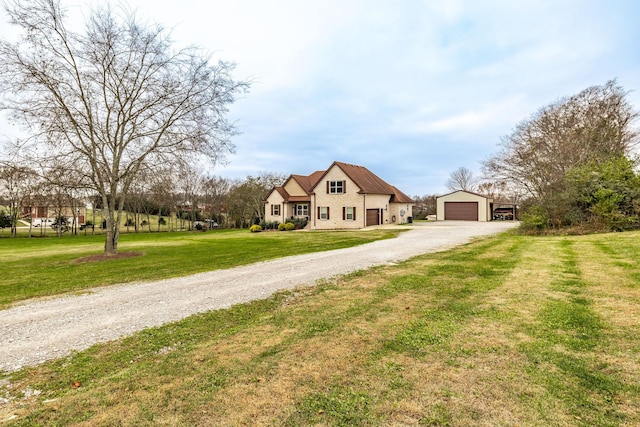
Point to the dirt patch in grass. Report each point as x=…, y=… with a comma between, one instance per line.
x=107, y=257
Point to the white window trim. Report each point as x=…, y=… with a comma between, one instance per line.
x=335, y=185
x=347, y=214
x=304, y=211
x=324, y=213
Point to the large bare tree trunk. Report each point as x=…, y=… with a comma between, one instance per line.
x=113, y=209
x=111, y=242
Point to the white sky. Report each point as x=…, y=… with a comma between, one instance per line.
x=410, y=89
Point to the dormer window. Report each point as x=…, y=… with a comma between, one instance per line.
x=336, y=187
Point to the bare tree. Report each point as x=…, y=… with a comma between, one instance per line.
x=241, y=202
x=188, y=185
x=36, y=202
x=424, y=206
x=497, y=190
x=214, y=194
x=595, y=125
x=461, y=179
x=114, y=98
x=246, y=199
x=64, y=188
x=14, y=186
x=142, y=199
x=161, y=196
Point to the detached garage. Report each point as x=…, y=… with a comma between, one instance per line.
x=463, y=206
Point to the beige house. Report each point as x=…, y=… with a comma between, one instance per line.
x=464, y=206
x=344, y=196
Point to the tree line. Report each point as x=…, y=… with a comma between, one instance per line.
x=179, y=197
x=573, y=163
x=571, y=166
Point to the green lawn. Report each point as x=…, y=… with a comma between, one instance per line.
x=49, y=266
x=506, y=331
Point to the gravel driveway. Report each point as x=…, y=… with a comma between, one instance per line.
x=41, y=330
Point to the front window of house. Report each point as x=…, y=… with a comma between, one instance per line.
x=323, y=212
x=336, y=187
x=349, y=213
x=302, y=210
x=275, y=210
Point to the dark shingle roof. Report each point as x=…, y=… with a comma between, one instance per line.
x=367, y=181
x=308, y=182
x=370, y=183
x=400, y=197
x=282, y=192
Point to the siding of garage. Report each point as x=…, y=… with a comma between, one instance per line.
x=466, y=199
x=461, y=211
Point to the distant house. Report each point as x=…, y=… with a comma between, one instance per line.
x=46, y=214
x=344, y=196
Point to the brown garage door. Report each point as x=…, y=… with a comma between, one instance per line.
x=461, y=211
x=373, y=217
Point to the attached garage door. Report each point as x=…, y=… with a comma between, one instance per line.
x=461, y=211
x=373, y=216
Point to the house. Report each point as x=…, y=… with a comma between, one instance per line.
x=464, y=206
x=344, y=196
x=43, y=214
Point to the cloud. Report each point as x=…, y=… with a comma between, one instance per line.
x=411, y=89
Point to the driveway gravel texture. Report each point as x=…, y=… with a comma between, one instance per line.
x=40, y=330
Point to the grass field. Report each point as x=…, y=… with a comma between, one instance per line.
x=50, y=266
x=508, y=330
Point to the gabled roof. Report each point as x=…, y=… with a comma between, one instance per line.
x=468, y=192
x=308, y=182
x=399, y=196
x=288, y=197
x=367, y=181
x=282, y=192
x=370, y=183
